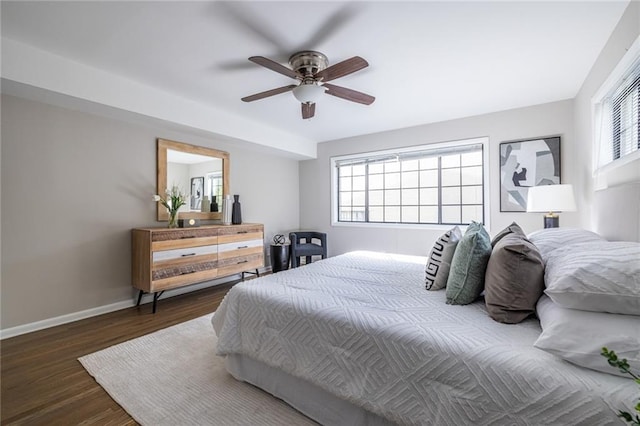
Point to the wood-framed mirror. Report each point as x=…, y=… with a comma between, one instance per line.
x=198, y=171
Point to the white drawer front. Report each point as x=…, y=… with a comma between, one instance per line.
x=239, y=245
x=184, y=252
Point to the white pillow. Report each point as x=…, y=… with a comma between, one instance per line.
x=599, y=276
x=549, y=239
x=578, y=336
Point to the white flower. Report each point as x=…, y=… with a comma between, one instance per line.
x=174, y=200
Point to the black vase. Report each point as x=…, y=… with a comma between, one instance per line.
x=236, y=211
x=214, y=204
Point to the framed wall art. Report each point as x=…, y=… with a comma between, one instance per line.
x=197, y=190
x=524, y=164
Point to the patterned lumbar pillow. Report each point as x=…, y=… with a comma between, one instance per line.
x=439, y=262
x=468, y=267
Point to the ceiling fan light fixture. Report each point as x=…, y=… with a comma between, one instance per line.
x=308, y=93
x=311, y=70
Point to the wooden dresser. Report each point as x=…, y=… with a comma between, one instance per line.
x=166, y=258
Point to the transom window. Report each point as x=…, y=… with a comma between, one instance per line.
x=431, y=184
x=617, y=113
x=625, y=132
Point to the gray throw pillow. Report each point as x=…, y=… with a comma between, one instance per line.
x=439, y=262
x=514, y=280
x=514, y=228
x=468, y=267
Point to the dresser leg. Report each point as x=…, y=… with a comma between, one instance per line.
x=140, y=293
x=156, y=296
x=256, y=273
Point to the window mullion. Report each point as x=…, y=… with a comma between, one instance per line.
x=338, y=201
x=366, y=193
x=401, y=192
x=638, y=115
x=439, y=190
x=460, y=190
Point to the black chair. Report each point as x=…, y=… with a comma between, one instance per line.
x=307, y=248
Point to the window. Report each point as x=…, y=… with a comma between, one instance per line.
x=617, y=113
x=431, y=184
x=213, y=186
x=624, y=118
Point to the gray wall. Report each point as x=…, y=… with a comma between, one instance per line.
x=571, y=119
x=73, y=186
x=536, y=121
x=625, y=33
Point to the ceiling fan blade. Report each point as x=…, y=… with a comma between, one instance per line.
x=308, y=110
x=349, y=94
x=274, y=66
x=268, y=93
x=252, y=22
x=330, y=27
x=341, y=69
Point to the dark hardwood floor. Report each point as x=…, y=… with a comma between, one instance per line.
x=44, y=384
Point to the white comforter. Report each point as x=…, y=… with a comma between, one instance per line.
x=363, y=327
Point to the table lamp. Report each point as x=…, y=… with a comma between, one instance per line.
x=551, y=199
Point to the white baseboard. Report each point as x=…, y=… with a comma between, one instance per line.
x=64, y=319
x=87, y=313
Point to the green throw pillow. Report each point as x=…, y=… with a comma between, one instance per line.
x=468, y=267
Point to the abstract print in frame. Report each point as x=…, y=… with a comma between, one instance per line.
x=197, y=190
x=524, y=164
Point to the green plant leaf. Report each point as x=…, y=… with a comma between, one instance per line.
x=626, y=416
x=624, y=367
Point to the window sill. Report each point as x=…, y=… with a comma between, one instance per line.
x=615, y=164
x=399, y=226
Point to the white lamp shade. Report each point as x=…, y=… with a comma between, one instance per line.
x=551, y=198
x=308, y=93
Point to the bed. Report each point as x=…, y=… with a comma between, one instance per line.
x=356, y=339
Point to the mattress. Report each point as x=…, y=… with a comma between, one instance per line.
x=362, y=327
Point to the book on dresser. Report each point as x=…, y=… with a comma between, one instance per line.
x=167, y=258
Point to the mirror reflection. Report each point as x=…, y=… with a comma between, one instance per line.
x=202, y=173
x=199, y=175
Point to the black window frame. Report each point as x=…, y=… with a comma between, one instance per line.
x=416, y=153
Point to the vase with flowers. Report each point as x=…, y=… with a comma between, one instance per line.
x=173, y=200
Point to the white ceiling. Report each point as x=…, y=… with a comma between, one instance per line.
x=429, y=61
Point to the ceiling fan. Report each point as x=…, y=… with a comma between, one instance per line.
x=311, y=70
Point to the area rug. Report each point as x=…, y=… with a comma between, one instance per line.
x=173, y=377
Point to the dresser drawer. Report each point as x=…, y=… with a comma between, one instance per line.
x=241, y=253
x=182, y=234
x=172, y=281
x=239, y=245
x=239, y=264
x=234, y=238
x=183, y=242
x=160, y=272
x=184, y=252
x=240, y=229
